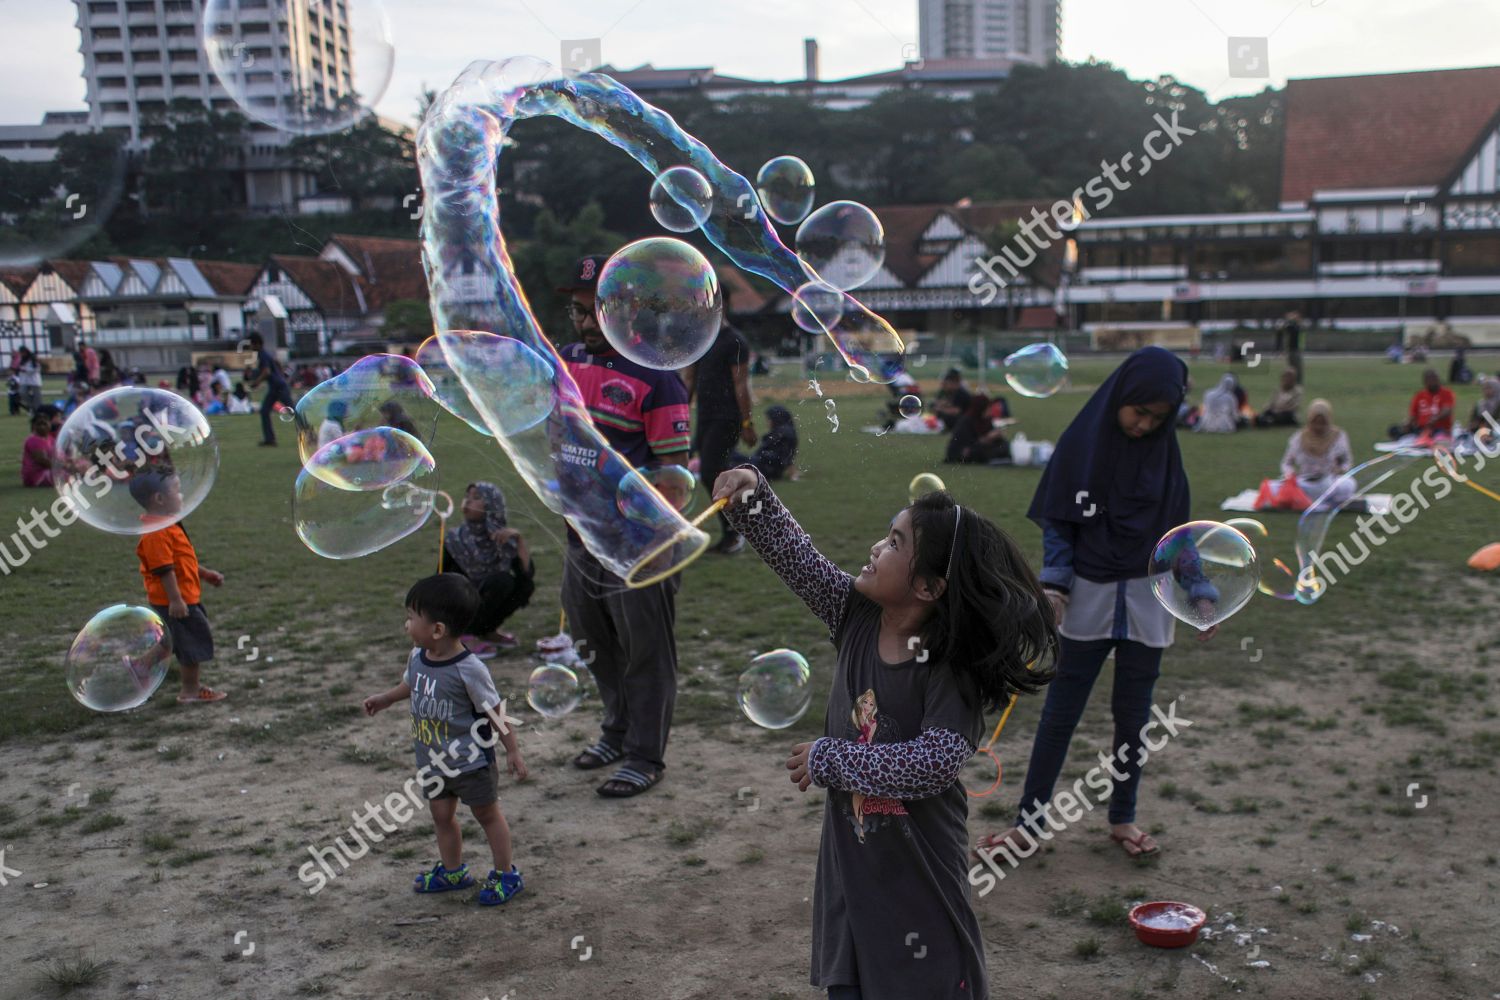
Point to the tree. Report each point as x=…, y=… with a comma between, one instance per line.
x=363, y=162
x=546, y=262
x=192, y=167
x=407, y=320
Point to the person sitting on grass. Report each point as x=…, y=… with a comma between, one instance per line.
x=37, y=451
x=1284, y=405
x=456, y=715
x=952, y=400
x=1431, y=410
x=1487, y=407
x=977, y=439
x=1221, y=408
x=173, y=578
x=332, y=427
x=496, y=559
x=936, y=629
x=1318, y=456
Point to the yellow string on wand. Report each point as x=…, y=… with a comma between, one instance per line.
x=442, y=537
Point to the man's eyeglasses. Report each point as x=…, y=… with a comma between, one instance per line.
x=579, y=311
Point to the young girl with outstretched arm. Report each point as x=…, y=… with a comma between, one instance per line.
x=938, y=627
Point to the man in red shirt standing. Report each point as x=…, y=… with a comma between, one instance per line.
x=1431, y=412
x=643, y=415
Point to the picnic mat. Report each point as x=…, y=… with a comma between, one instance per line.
x=1370, y=503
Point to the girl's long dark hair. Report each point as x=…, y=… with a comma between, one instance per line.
x=992, y=620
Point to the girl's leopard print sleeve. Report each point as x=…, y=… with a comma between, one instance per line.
x=913, y=769
x=779, y=539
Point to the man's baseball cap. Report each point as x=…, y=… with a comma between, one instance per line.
x=586, y=273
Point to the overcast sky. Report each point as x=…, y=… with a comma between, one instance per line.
x=1189, y=38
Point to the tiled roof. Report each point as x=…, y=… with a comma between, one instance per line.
x=1386, y=131
x=228, y=278
x=333, y=290
x=18, y=279
x=392, y=268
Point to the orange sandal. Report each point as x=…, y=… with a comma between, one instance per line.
x=203, y=697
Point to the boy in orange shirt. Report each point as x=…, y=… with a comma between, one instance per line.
x=169, y=567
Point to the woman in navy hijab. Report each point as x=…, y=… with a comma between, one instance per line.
x=1114, y=486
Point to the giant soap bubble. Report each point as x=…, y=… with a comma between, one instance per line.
x=381, y=390
x=565, y=459
x=371, y=459
x=512, y=384
x=659, y=303
x=119, y=658
x=842, y=243
x=309, y=68
x=786, y=188
x=776, y=689
x=1203, y=572
x=135, y=460
x=339, y=523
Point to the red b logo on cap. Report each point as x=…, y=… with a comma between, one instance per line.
x=587, y=274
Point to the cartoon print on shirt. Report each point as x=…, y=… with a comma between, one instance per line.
x=866, y=724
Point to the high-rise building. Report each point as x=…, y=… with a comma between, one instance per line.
x=140, y=55
x=1018, y=31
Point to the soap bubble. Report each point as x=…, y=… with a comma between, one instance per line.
x=817, y=307
x=381, y=390
x=371, y=459
x=910, y=406
x=553, y=690
x=1037, y=371
x=659, y=303
x=676, y=484
x=476, y=374
x=119, y=659
x=1277, y=579
x=785, y=186
x=922, y=484
x=131, y=447
x=1203, y=572
x=842, y=244
x=1320, y=565
x=340, y=62
x=681, y=199
x=774, y=691
x=51, y=207
x=339, y=523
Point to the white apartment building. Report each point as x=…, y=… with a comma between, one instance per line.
x=1018, y=31
x=140, y=55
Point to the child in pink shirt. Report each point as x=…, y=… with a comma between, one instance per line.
x=36, y=453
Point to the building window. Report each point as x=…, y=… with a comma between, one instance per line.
x=109, y=57
x=103, y=7
x=147, y=31
x=101, y=34
x=141, y=6
x=141, y=57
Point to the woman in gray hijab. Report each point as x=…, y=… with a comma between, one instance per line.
x=496, y=560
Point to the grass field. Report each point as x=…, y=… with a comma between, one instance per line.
x=1286, y=805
